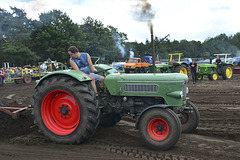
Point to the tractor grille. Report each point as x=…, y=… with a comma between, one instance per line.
x=150, y=88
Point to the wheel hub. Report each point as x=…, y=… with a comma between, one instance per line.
x=160, y=128
x=64, y=111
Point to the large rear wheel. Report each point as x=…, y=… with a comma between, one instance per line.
x=190, y=118
x=182, y=69
x=65, y=109
x=227, y=72
x=160, y=128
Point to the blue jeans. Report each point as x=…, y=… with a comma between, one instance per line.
x=96, y=77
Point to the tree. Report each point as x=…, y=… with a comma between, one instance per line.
x=17, y=54
x=219, y=44
x=235, y=40
x=57, y=33
x=16, y=26
x=103, y=41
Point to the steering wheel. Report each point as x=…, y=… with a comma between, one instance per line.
x=103, y=71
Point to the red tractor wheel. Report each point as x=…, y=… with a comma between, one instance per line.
x=27, y=78
x=65, y=110
x=160, y=128
x=62, y=115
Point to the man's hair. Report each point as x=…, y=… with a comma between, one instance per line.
x=73, y=49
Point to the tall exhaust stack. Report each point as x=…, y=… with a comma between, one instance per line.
x=144, y=13
x=153, y=48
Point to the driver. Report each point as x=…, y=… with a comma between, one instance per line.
x=82, y=62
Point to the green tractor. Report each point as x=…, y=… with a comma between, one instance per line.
x=171, y=66
x=226, y=71
x=67, y=111
x=213, y=72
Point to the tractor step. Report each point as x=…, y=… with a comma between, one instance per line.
x=14, y=111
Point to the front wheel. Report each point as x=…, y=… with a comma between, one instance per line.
x=199, y=76
x=65, y=109
x=160, y=128
x=213, y=76
x=190, y=118
x=137, y=70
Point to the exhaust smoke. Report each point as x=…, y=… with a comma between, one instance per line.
x=144, y=13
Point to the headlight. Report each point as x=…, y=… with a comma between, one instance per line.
x=175, y=94
x=186, y=90
x=181, y=94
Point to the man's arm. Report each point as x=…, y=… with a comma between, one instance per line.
x=93, y=69
x=74, y=65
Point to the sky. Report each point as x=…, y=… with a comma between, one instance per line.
x=182, y=19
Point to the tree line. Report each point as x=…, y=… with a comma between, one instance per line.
x=26, y=41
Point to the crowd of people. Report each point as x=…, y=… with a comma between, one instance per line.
x=10, y=72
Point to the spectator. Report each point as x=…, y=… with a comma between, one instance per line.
x=194, y=70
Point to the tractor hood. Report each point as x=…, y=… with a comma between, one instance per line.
x=207, y=65
x=151, y=84
x=150, y=77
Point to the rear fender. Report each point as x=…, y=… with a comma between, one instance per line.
x=79, y=76
x=148, y=108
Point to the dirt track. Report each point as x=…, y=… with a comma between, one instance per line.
x=217, y=137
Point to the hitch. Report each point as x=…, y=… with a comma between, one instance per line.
x=14, y=111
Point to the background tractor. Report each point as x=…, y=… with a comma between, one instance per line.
x=212, y=71
x=173, y=66
x=67, y=111
x=26, y=74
